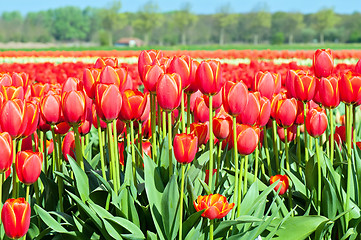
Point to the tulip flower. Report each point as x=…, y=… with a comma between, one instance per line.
x=6, y=149
x=286, y=112
x=50, y=108
x=181, y=65
x=358, y=67
x=133, y=105
x=146, y=57
x=169, y=91
x=151, y=76
x=350, y=88
x=103, y=62
x=222, y=126
x=217, y=100
x=13, y=117
x=15, y=216
x=235, y=98
x=283, y=183
x=291, y=133
x=265, y=111
x=328, y=91
x=185, y=147
x=215, y=206
x=28, y=166
x=117, y=76
x=316, y=122
x=267, y=84
x=247, y=139
x=305, y=87
x=193, y=86
x=31, y=118
x=252, y=109
x=108, y=101
x=201, y=131
x=27, y=143
x=209, y=77
x=12, y=92
x=73, y=106
x=39, y=89
x=72, y=84
x=323, y=63
x=201, y=111
x=90, y=78
x=68, y=146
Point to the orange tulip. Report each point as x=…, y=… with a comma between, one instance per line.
x=215, y=206
x=133, y=105
x=283, y=183
x=108, y=101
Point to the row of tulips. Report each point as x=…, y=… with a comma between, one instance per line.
x=186, y=108
x=230, y=54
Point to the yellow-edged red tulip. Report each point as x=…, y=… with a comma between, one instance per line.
x=286, y=112
x=185, y=147
x=146, y=57
x=108, y=101
x=350, y=88
x=169, y=91
x=235, y=97
x=28, y=166
x=133, y=105
x=209, y=77
x=6, y=149
x=283, y=183
x=214, y=206
x=316, y=122
x=323, y=63
x=247, y=139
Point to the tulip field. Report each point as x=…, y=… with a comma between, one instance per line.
x=233, y=144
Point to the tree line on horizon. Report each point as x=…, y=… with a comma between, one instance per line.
x=106, y=25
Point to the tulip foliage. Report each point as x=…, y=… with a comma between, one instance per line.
x=115, y=150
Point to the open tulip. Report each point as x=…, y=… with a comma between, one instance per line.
x=108, y=101
x=209, y=77
x=6, y=149
x=323, y=63
x=103, y=62
x=185, y=147
x=283, y=183
x=316, y=122
x=133, y=105
x=169, y=91
x=235, y=97
x=28, y=166
x=15, y=216
x=215, y=206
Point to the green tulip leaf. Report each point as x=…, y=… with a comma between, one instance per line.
x=49, y=220
x=82, y=181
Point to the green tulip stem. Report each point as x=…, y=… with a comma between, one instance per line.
x=160, y=110
x=152, y=119
x=240, y=185
x=256, y=156
x=181, y=203
x=286, y=150
x=265, y=142
x=15, y=177
x=112, y=157
x=353, y=107
x=33, y=142
x=37, y=197
x=116, y=153
x=299, y=158
x=133, y=152
x=211, y=230
x=27, y=195
x=59, y=169
x=189, y=112
x=305, y=135
x=349, y=167
x=184, y=130
x=219, y=155
x=101, y=149
x=236, y=176
x=263, y=171
x=164, y=124
x=1, y=193
x=211, y=142
x=140, y=140
x=245, y=181
x=45, y=152
x=275, y=145
x=78, y=149
x=170, y=156
x=56, y=163
x=319, y=177
x=332, y=141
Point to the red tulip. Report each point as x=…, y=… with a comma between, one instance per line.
x=358, y=67
x=61, y=128
x=305, y=87
x=209, y=77
x=185, y=147
x=151, y=75
x=194, y=96
x=316, y=122
x=146, y=57
x=108, y=101
x=290, y=80
x=12, y=92
x=72, y=84
x=27, y=143
x=31, y=118
x=235, y=98
x=90, y=78
x=283, y=183
x=39, y=89
x=274, y=103
x=6, y=149
x=217, y=100
x=201, y=111
x=265, y=112
x=13, y=117
x=323, y=63
x=68, y=146
x=215, y=206
x=73, y=106
x=133, y=105
x=222, y=126
x=181, y=65
x=247, y=139
x=28, y=166
x=350, y=88
x=103, y=62
x=252, y=109
x=329, y=92
x=201, y=131
x=193, y=86
x=50, y=108
x=88, y=119
x=291, y=133
x=286, y=112
x=267, y=84
x=15, y=216
x=169, y=91
x=117, y=76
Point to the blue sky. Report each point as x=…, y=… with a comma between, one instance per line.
x=197, y=6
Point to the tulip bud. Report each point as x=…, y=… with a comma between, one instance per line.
x=267, y=84
x=283, y=183
x=305, y=87
x=329, y=92
x=181, y=65
x=50, y=108
x=350, y=88
x=215, y=206
x=6, y=149
x=247, y=139
x=323, y=63
x=73, y=106
x=251, y=112
x=15, y=216
x=201, y=131
x=209, y=77
x=169, y=91
x=185, y=147
x=151, y=76
x=108, y=101
x=222, y=126
x=316, y=122
x=201, y=111
x=28, y=166
x=13, y=117
x=90, y=78
x=286, y=112
x=103, y=62
x=146, y=57
x=235, y=98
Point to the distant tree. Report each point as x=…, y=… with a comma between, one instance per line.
x=259, y=25
x=287, y=23
x=11, y=26
x=323, y=19
x=225, y=20
x=183, y=20
x=147, y=19
x=112, y=20
x=37, y=26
